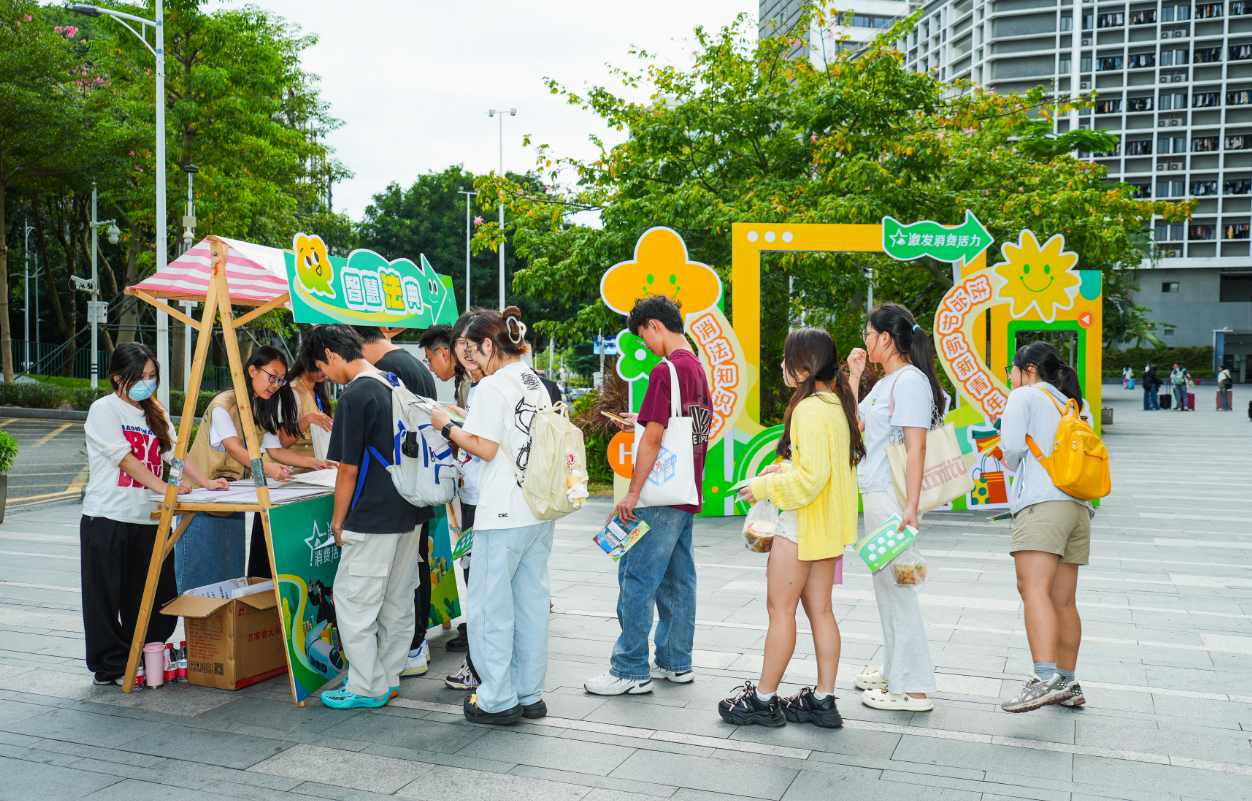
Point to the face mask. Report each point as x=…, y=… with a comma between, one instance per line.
x=142, y=390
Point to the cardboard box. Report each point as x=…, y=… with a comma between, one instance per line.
x=231, y=643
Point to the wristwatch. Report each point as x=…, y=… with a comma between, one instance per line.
x=447, y=431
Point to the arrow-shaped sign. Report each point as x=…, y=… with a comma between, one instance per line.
x=940, y=242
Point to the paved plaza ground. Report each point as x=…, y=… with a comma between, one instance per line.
x=1166, y=665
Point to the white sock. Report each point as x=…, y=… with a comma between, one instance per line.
x=820, y=696
x=765, y=697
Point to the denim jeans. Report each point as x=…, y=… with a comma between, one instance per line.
x=507, y=622
x=1149, y=397
x=660, y=571
x=1180, y=395
x=210, y=550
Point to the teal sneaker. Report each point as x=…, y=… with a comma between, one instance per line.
x=342, y=698
x=395, y=691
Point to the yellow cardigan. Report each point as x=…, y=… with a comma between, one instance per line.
x=821, y=483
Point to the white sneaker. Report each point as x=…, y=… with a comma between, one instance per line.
x=415, y=666
x=424, y=651
x=896, y=702
x=871, y=678
x=608, y=684
x=685, y=677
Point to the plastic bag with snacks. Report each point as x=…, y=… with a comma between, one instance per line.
x=909, y=568
x=760, y=526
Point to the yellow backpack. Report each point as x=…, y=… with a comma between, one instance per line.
x=1079, y=462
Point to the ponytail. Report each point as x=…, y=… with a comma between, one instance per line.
x=813, y=350
x=1048, y=363
x=912, y=342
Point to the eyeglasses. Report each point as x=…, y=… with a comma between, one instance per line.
x=274, y=379
x=867, y=333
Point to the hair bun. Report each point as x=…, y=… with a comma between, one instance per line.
x=512, y=311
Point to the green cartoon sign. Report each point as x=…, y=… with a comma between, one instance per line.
x=365, y=288
x=903, y=241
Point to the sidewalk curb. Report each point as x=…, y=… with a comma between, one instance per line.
x=41, y=414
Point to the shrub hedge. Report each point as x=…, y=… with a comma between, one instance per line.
x=51, y=396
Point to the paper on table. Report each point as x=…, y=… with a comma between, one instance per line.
x=318, y=478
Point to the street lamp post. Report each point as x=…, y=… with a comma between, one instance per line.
x=95, y=309
x=189, y=238
x=26, y=288
x=492, y=113
x=468, y=194
x=162, y=252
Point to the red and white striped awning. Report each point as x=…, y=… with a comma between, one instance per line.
x=255, y=274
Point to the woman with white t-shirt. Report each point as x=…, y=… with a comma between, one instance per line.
x=508, y=620
x=129, y=435
x=212, y=547
x=905, y=403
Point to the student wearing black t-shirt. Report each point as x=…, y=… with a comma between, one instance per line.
x=379, y=532
x=417, y=379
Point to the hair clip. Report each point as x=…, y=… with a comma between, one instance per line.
x=521, y=330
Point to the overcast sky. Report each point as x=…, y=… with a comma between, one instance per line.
x=413, y=79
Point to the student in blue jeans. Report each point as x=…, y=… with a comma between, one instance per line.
x=660, y=569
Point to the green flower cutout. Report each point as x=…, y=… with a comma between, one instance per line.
x=634, y=360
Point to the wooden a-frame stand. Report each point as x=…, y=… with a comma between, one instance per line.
x=216, y=299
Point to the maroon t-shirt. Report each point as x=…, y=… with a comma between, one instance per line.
x=693, y=394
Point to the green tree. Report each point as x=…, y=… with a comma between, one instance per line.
x=429, y=218
x=748, y=134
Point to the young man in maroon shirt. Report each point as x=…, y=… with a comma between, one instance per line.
x=659, y=571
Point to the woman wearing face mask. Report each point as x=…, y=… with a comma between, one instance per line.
x=508, y=622
x=212, y=548
x=129, y=435
x=1051, y=530
x=821, y=444
x=467, y=377
x=906, y=403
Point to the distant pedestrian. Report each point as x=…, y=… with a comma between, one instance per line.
x=906, y=403
x=1179, y=378
x=1224, y=384
x=1151, y=384
x=814, y=481
x=1051, y=530
x=1127, y=374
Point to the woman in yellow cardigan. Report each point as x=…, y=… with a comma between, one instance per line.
x=823, y=443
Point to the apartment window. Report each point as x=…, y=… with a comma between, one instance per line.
x=1235, y=289
x=1237, y=231
x=1182, y=13
x=1169, y=332
x=1208, y=11
x=1141, y=60
x=1203, y=188
x=1170, y=189
x=1142, y=190
x=1167, y=14
x=1239, y=7
x=1204, y=144
x=1237, y=186
x=1206, y=99
x=1206, y=55
x=1141, y=147
x=1087, y=21
x=1169, y=287
x=1111, y=20
x=1167, y=144
x=1240, y=97
x=1142, y=17
x=1199, y=232
x=1169, y=232
x=1239, y=142
x=1108, y=106
x=1084, y=64
x=1171, y=57
x=866, y=21
x=1064, y=66
x=1174, y=101
x=1109, y=63
x=1240, y=52
x=1067, y=23
x=1139, y=104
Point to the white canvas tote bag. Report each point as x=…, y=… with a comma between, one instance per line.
x=672, y=481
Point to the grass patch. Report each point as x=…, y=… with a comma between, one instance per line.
x=599, y=489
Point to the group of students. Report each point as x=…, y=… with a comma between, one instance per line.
x=833, y=445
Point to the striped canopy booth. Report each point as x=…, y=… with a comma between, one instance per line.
x=219, y=273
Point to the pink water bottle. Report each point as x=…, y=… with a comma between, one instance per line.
x=154, y=663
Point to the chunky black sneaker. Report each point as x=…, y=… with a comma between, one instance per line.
x=744, y=708
x=536, y=710
x=1075, y=695
x=460, y=642
x=803, y=707
x=476, y=715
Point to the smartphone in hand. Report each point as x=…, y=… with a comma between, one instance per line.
x=616, y=419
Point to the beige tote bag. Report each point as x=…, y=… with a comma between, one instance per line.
x=945, y=476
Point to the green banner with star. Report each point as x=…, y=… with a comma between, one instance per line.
x=907, y=241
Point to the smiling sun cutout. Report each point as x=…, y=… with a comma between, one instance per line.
x=661, y=267
x=1041, y=277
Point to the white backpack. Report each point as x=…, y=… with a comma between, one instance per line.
x=422, y=467
x=556, y=451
